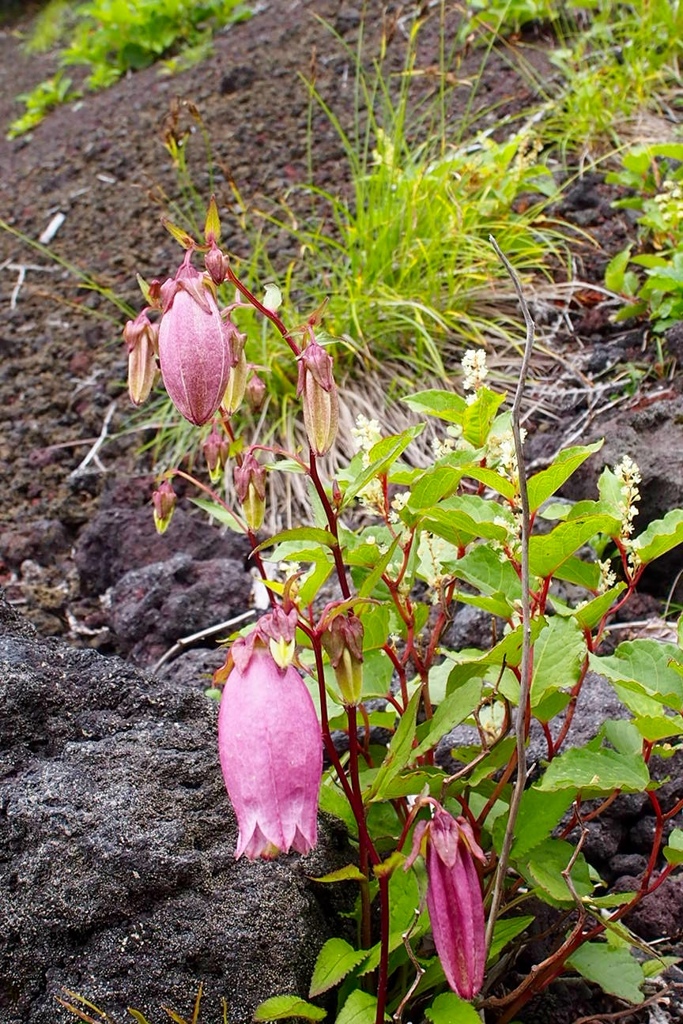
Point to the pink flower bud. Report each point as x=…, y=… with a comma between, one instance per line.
x=271, y=754
x=454, y=899
x=141, y=337
x=164, y=502
x=216, y=264
x=216, y=449
x=250, y=485
x=318, y=392
x=343, y=643
x=194, y=345
x=256, y=393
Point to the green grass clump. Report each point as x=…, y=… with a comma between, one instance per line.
x=614, y=60
x=655, y=176
x=111, y=37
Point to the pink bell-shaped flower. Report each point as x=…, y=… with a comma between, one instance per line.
x=454, y=899
x=194, y=345
x=270, y=749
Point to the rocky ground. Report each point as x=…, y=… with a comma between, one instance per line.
x=78, y=552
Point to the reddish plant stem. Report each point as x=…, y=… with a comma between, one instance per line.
x=268, y=313
x=364, y=853
x=332, y=524
x=383, y=974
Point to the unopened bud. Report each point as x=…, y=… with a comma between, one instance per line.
x=343, y=643
x=318, y=393
x=216, y=263
x=237, y=381
x=216, y=450
x=194, y=348
x=256, y=393
x=250, y=485
x=141, y=338
x=164, y=502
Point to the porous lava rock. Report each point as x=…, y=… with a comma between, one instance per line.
x=117, y=874
x=150, y=608
x=119, y=539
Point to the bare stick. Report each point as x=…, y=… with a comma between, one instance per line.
x=185, y=641
x=525, y=669
x=92, y=455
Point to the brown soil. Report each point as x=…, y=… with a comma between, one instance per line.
x=101, y=163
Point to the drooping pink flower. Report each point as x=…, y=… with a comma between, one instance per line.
x=454, y=898
x=194, y=345
x=270, y=749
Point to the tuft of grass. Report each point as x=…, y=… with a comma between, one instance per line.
x=613, y=61
x=84, y=1010
x=111, y=37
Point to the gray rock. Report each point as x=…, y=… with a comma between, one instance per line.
x=152, y=607
x=117, y=874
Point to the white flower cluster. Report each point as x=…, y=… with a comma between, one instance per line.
x=502, y=451
x=628, y=475
x=443, y=446
x=474, y=370
x=607, y=576
x=398, y=503
x=366, y=434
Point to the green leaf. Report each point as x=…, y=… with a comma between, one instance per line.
x=612, y=968
x=217, y=512
x=623, y=736
x=660, y=536
x=491, y=478
x=305, y=534
x=595, y=772
x=382, y=457
x=479, y=415
x=673, y=851
x=550, y=551
x=589, y=615
x=282, y=1007
x=350, y=873
x=646, y=667
x=614, y=272
x=540, y=812
x=506, y=929
x=335, y=960
x=543, y=485
x=482, y=568
x=459, y=528
x=507, y=651
x=658, y=727
x=440, y=480
x=372, y=579
x=451, y=1009
x=559, y=652
x=399, y=751
x=359, y=1008
x=456, y=707
x=545, y=864
x=444, y=404
x=582, y=574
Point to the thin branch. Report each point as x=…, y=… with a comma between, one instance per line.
x=525, y=668
x=185, y=641
x=92, y=455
